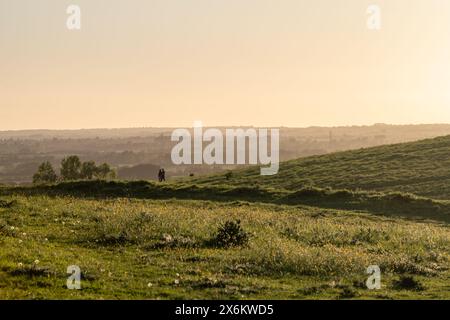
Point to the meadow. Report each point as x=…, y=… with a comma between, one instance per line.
x=309, y=232
x=129, y=248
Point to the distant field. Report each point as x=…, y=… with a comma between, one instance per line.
x=421, y=167
x=138, y=248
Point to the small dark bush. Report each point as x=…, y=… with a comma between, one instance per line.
x=7, y=204
x=347, y=293
x=230, y=234
x=114, y=239
x=359, y=284
x=408, y=283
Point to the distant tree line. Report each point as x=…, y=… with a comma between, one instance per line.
x=73, y=169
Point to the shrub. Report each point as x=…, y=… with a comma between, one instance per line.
x=347, y=293
x=230, y=234
x=7, y=204
x=408, y=283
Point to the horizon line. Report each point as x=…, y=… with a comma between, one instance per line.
x=228, y=126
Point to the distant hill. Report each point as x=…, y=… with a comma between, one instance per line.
x=139, y=172
x=421, y=167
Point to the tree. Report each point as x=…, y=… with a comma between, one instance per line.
x=88, y=170
x=71, y=168
x=45, y=174
x=104, y=171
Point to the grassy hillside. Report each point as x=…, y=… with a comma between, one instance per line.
x=170, y=249
x=378, y=203
x=421, y=167
x=182, y=240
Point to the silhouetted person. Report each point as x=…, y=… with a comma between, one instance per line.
x=161, y=175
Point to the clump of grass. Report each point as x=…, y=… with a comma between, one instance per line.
x=230, y=234
x=405, y=264
x=6, y=230
x=281, y=257
x=408, y=283
x=321, y=234
x=32, y=270
x=368, y=235
x=347, y=292
x=207, y=282
x=169, y=242
x=7, y=204
x=118, y=229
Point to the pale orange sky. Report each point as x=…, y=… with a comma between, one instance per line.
x=224, y=62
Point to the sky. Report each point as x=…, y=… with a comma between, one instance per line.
x=168, y=63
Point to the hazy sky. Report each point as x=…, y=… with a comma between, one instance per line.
x=224, y=62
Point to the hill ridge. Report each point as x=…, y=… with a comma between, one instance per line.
x=421, y=167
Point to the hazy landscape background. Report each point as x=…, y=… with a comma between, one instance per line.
x=138, y=153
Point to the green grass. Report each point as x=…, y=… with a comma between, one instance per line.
x=391, y=203
x=421, y=168
x=131, y=248
x=309, y=232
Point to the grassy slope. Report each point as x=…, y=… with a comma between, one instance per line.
x=391, y=204
x=306, y=242
x=421, y=167
x=294, y=251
